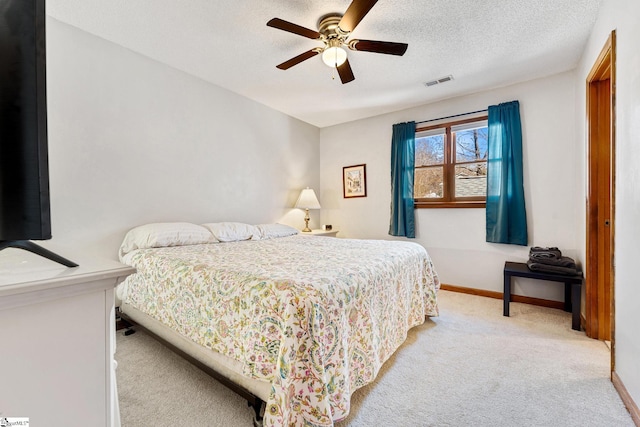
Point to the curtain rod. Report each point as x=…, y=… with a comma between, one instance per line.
x=450, y=117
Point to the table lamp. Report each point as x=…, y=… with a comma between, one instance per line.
x=307, y=200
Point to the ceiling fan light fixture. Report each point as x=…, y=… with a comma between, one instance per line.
x=334, y=56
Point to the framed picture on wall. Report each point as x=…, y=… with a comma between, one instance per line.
x=354, y=181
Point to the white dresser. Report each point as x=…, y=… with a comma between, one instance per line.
x=57, y=340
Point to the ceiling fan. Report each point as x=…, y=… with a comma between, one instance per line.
x=334, y=30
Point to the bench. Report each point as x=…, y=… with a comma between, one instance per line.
x=572, y=288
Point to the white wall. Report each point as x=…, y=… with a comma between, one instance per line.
x=624, y=17
x=455, y=238
x=133, y=141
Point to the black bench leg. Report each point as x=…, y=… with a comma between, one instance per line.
x=576, y=290
x=506, y=297
x=567, y=297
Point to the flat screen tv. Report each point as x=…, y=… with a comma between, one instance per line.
x=24, y=169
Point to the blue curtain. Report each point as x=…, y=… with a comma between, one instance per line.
x=403, y=146
x=506, y=213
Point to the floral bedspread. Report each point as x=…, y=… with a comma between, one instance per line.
x=315, y=316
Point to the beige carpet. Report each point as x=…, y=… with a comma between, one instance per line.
x=469, y=367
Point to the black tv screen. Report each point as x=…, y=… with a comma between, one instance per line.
x=24, y=171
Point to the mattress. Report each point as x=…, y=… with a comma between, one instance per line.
x=313, y=317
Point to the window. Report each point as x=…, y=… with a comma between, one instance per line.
x=451, y=164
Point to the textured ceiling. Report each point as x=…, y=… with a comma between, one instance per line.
x=483, y=44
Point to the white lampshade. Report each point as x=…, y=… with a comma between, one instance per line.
x=308, y=200
x=334, y=56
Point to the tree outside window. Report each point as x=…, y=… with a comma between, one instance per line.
x=451, y=164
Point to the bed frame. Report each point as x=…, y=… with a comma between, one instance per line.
x=255, y=402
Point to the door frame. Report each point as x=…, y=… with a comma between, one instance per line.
x=596, y=296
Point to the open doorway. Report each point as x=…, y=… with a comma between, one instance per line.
x=600, y=233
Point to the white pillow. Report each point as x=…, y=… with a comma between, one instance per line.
x=164, y=234
x=232, y=231
x=270, y=231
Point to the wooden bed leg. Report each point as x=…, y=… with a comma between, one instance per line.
x=258, y=407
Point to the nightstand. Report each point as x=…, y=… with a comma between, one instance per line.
x=327, y=233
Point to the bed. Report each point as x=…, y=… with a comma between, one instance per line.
x=298, y=321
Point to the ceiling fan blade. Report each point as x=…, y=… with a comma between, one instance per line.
x=283, y=25
x=298, y=59
x=389, y=48
x=354, y=14
x=345, y=72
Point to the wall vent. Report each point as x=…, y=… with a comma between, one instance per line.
x=438, y=81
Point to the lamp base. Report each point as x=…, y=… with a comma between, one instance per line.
x=306, y=228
